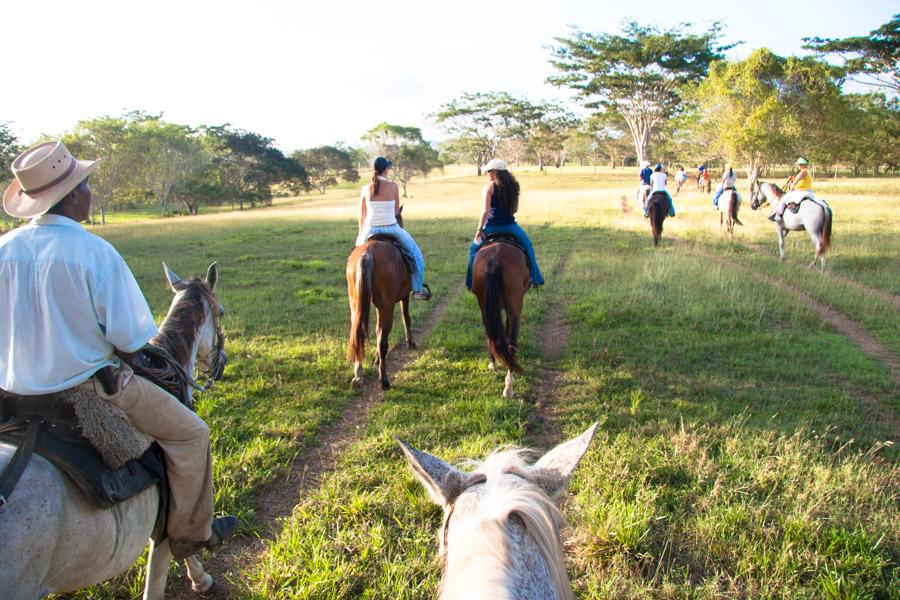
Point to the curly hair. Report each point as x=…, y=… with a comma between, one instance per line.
x=507, y=189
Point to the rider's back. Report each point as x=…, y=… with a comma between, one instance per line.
x=62, y=284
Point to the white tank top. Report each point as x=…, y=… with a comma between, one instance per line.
x=380, y=213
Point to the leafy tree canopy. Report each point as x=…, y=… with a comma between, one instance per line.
x=875, y=56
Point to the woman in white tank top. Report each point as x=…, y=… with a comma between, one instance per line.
x=379, y=207
x=658, y=184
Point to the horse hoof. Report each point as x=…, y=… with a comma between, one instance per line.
x=356, y=383
x=385, y=384
x=211, y=592
x=492, y=366
x=411, y=345
x=508, y=393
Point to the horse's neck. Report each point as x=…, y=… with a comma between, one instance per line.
x=500, y=559
x=175, y=337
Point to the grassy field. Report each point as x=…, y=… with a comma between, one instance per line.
x=745, y=451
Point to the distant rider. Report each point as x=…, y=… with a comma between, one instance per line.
x=72, y=309
x=501, y=202
x=379, y=209
x=644, y=176
x=729, y=180
x=680, y=178
x=658, y=184
x=799, y=186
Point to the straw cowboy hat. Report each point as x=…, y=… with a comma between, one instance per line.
x=44, y=174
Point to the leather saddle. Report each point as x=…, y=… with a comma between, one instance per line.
x=408, y=260
x=60, y=440
x=503, y=238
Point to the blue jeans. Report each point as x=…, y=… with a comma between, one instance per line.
x=521, y=237
x=671, y=204
x=719, y=192
x=408, y=243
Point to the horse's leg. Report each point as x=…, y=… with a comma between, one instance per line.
x=407, y=327
x=492, y=360
x=817, y=242
x=157, y=570
x=513, y=324
x=782, y=233
x=385, y=321
x=201, y=582
x=721, y=220
x=357, y=380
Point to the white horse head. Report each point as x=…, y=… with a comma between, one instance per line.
x=500, y=535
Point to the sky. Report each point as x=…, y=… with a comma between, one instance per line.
x=307, y=74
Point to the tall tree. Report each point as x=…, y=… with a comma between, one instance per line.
x=248, y=165
x=325, y=165
x=119, y=174
x=474, y=126
x=874, y=59
x=766, y=108
x=406, y=147
x=542, y=126
x=638, y=75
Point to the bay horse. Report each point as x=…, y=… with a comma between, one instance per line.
x=500, y=536
x=54, y=539
x=376, y=274
x=658, y=209
x=728, y=205
x=812, y=215
x=500, y=279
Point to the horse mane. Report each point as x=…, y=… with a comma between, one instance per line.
x=486, y=562
x=778, y=191
x=178, y=331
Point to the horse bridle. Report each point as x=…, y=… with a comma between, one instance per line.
x=756, y=194
x=217, y=368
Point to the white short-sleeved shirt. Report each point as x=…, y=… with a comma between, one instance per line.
x=730, y=178
x=67, y=301
x=657, y=182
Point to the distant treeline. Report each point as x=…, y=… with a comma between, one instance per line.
x=646, y=93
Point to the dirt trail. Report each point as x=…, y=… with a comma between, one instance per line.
x=309, y=467
x=544, y=431
x=890, y=299
x=835, y=319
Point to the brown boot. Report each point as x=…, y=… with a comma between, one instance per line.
x=222, y=529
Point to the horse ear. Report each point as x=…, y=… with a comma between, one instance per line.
x=443, y=482
x=553, y=470
x=175, y=281
x=212, y=275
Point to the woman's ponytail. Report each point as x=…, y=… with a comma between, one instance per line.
x=376, y=183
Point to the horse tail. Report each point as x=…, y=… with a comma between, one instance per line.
x=733, y=209
x=657, y=216
x=359, y=313
x=826, y=230
x=498, y=342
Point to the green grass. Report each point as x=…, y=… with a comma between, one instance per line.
x=745, y=449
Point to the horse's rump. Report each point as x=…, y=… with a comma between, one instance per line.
x=496, y=270
x=408, y=259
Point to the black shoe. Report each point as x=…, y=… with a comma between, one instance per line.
x=423, y=294
x=222, y=529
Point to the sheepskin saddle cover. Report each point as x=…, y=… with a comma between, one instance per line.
x=106, y=427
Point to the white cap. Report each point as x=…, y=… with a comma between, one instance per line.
x=494, y=165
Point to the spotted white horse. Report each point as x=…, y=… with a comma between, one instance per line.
x=55, y=540
x=813, y=215
x=500, y=536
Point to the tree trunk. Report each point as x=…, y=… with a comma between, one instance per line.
x=102, y=216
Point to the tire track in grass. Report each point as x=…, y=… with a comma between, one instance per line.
x=837, y=321
x=309, y=466
x=890, y=299
x=544, y=430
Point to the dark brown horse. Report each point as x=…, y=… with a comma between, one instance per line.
x=658, y=208
x=500, y=278
x=376, y=274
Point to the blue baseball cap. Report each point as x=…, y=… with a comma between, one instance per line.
x=381, y=163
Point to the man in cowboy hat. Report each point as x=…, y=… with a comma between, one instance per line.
x=71, y=308
x=798, y=186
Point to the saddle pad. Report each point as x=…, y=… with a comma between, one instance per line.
x=408, y=260
x=504, y=239
x=84, y=465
